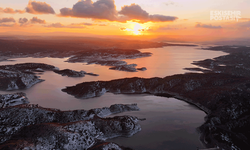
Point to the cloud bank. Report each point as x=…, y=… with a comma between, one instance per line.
x=106, y=10
x=100, y=9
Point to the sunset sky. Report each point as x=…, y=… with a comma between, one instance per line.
x=124, y=17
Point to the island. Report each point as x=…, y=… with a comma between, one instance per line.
x=72, y=73
x=24, y=76
x=33, y=127
x=21, y=76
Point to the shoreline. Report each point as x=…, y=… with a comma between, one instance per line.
x=229, y=81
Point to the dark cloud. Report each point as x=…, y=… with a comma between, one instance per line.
x=7, y=20
x=23, y=21
x=161, y=18
x=37, y=20
x=11, y=11
x=35, y=7
x=106, y=9
x=135, y=11
x=101, y=9
x=209, y=26
x=67, y=12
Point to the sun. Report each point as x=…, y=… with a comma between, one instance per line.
x=137, y=29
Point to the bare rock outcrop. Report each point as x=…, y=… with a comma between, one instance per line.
x=35, y=127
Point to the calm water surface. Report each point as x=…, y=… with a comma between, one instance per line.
x=170, y=123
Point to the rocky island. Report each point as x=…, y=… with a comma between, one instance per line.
x=24, y=76
x=128, y=68
x=21, y=76
x=8, y=100
x=72, y=73
x=35, y=127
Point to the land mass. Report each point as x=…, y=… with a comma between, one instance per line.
x=108, y=52
x=24, y=76
x=21, y=76
x=35, y=127
x=222, y=91
x=8, y=100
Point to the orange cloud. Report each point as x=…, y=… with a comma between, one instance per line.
x=35, y=7
x=11, y=10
